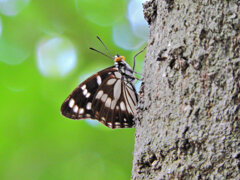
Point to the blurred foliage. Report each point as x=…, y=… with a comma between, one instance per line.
x=36, y=142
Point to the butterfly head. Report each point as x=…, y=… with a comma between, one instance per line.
x=119, y=58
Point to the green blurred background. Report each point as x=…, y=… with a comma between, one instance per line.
x=44, y=55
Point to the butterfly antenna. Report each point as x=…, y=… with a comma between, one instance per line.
x=101, y=53
x=136, y=56
x=104, y=46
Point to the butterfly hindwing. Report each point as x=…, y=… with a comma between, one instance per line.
x=110, y=105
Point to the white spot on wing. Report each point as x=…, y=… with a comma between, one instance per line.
x=83, y=87
x=104, y=97
x=99, y=80
x=118, y=75
x=109, y=124
x=117, y=124
x=111, y=81
x=85, y=92
x=89, y=106
x=88, y=115
x=114, y=102
x=99, y=94
x=88, y=95
x=81, y=111
x=117, y=90
x=75, y=108
x=125, y=125
x=125, y=120
x=122, y=106
x=71, y=103
x=108, y=102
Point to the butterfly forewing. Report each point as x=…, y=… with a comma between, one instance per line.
x=105, y=97
x=75, y=106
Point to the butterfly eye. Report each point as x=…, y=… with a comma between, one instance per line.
x=117, y=58
x=123, y=58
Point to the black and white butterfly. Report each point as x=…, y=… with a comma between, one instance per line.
x=108, y=96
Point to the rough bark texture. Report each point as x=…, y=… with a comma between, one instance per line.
x=188, y=122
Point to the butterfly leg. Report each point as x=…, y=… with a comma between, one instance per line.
x=138, y=73
x=136, y=56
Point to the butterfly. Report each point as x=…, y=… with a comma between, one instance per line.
x=108, y=96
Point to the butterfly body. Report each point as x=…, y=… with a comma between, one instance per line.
x=108, y=96
x=126, y=71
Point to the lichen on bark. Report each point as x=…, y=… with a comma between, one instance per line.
x=188, y=119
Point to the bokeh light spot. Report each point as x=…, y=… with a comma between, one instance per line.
x=12, y=7
x=102, y=13
x=93, y=123
x=136, y=19
x=11, y=53
x=56, y=57
x=138, y=85
x=124, y=37
x=0, y=27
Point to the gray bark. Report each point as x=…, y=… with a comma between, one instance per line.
x=188, y=119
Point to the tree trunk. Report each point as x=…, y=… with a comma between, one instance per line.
x=188, y=120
